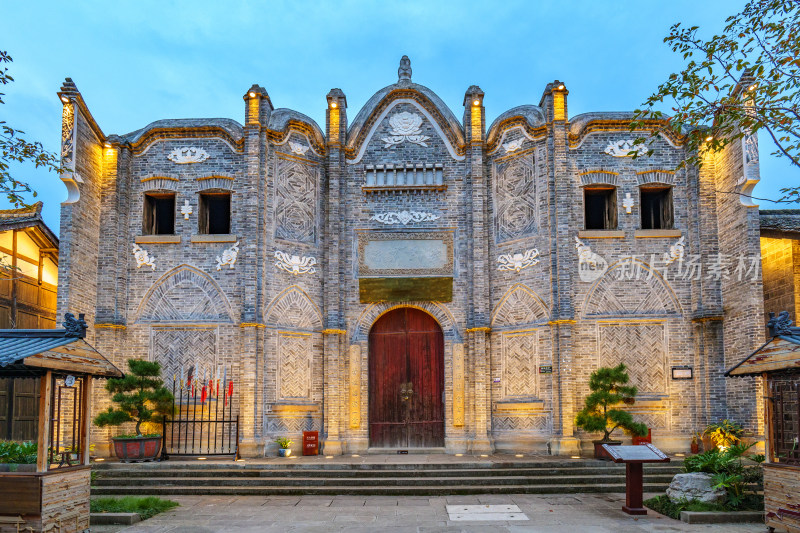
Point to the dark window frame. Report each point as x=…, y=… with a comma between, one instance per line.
x=600, y=207
x=214, y=212
x=656, y=207
x=156, y=216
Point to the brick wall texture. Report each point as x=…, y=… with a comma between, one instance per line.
x=527, y=325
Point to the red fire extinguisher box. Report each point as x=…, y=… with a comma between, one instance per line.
x=311, y=443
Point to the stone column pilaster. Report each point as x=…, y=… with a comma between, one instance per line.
x=334, y=382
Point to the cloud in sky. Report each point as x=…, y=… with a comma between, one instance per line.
x=136, y=62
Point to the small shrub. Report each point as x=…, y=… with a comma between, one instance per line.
x=283, y=442
x=23, y=453
x=724, y=433
x=729, y=471
x=662, y=504
x=146, y=507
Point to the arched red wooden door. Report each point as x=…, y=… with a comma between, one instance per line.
x=406, y=381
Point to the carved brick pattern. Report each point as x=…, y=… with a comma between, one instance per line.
x=458, y=385
x=641, y=347
x=519, y=306
x=294, y=425
x=294, y=366
x=515, y=198
x=293, y=309
x=541, y=424
x=185, y=295
x=296, y=202
x=651, y=420
x=629, y=288
x=191, y=346
x=520, y=355
x=355, y=386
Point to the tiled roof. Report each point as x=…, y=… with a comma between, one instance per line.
x=26, y=217
x=780, y=219
x=25, y=343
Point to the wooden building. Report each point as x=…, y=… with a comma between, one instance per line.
x=28, y=270
x=53, y=494
x=778, y=362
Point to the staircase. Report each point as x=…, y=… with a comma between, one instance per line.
x=423, y=479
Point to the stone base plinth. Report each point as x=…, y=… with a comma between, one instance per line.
x=565, y=446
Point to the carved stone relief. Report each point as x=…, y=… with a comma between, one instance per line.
x=405, y=126
x=515, y=198
x=297, y=148
x=538, y=424
x=143, y=257
x=518, y=261
x=295, y=264
x=404, y=217
x=513, y=146
x=296, y=201
x=229, y=256
x=293, y=309
x=623, y=147
x=186, y=210
x=185, y=295
x=68, y=136
x=187, y=155
x=627, y=203
x=294, y=366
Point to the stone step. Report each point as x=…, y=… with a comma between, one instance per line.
x=399, y=490
x=325, y=473
x=366, y=481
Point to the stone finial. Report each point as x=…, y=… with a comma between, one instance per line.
x=404, y=72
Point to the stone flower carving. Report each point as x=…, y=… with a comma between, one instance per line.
x=624, y=147
x=676, y=251
x=404, y=217
x=518, y=261
x=298, y=148
x=229, y=256
x=187, y=155
x=143, y=257
x=513, y=146
x=405, y=127
x=627, y=203
x=295, y=264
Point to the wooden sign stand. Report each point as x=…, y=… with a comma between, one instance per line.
x=634, y=457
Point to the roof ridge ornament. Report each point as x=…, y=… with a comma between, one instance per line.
x=74, y=327
x=781, y=325
x=404, y=71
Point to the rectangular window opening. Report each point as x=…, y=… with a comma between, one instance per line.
x=656, y=207
x=215, y=213
x=159, y=214
x=600, y=208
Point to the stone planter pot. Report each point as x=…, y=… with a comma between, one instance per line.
x=284, y=452
x=600, y=453
x=137, y=449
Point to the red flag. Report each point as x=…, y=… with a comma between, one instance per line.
x=217, y=389
x=203, y=395
x=230, y=389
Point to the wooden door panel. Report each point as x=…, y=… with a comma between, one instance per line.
x=406, y=346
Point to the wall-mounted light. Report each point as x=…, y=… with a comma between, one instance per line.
x=107, y=145
x=64, y=99
x=752, y=87
x=476, y=102
x=252, y=94
x=333, y=105
x=709, y=138
x=561, y=87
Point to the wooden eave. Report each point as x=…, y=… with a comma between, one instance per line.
x=779, y=353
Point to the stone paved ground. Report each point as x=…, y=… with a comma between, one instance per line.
x=573, y=513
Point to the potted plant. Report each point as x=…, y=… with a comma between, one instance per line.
x=697, y=440
x=141, y=397
x=724, y=434
x=609, y=389
x=283, y=446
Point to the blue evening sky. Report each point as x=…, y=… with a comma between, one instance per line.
x=136, y=62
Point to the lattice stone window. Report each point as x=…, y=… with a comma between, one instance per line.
x=600, y=207
x=786, y=417
x=408, y=176
x=158, y=217
x=656, y=207
x=214, y=214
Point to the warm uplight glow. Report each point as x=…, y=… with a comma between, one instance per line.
x=459, y=455
x=561, y=87
x=98, y=459
x=252, y=94
x=328, y=457
x=356, y=455
x=484, y=455
x=333, y=105
x=752, y=87
x=679, y=455
x=476, y=102
x=292, y=457
x=709, y=139
x=201, y=458
x=64, y=99
x=107, y=145
x=576, y=456
x=519, y=455
x=239, y=460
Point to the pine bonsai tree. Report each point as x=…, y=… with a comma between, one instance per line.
x=140, y=396
x=608, y=386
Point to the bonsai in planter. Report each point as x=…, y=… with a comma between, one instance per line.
x=599, y=413
x=284, y=446
x=140, y=397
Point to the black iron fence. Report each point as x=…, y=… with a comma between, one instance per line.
x=203, y=421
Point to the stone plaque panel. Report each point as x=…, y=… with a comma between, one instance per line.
x=405, y=254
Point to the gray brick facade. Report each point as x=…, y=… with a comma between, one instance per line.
x=523, y=329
